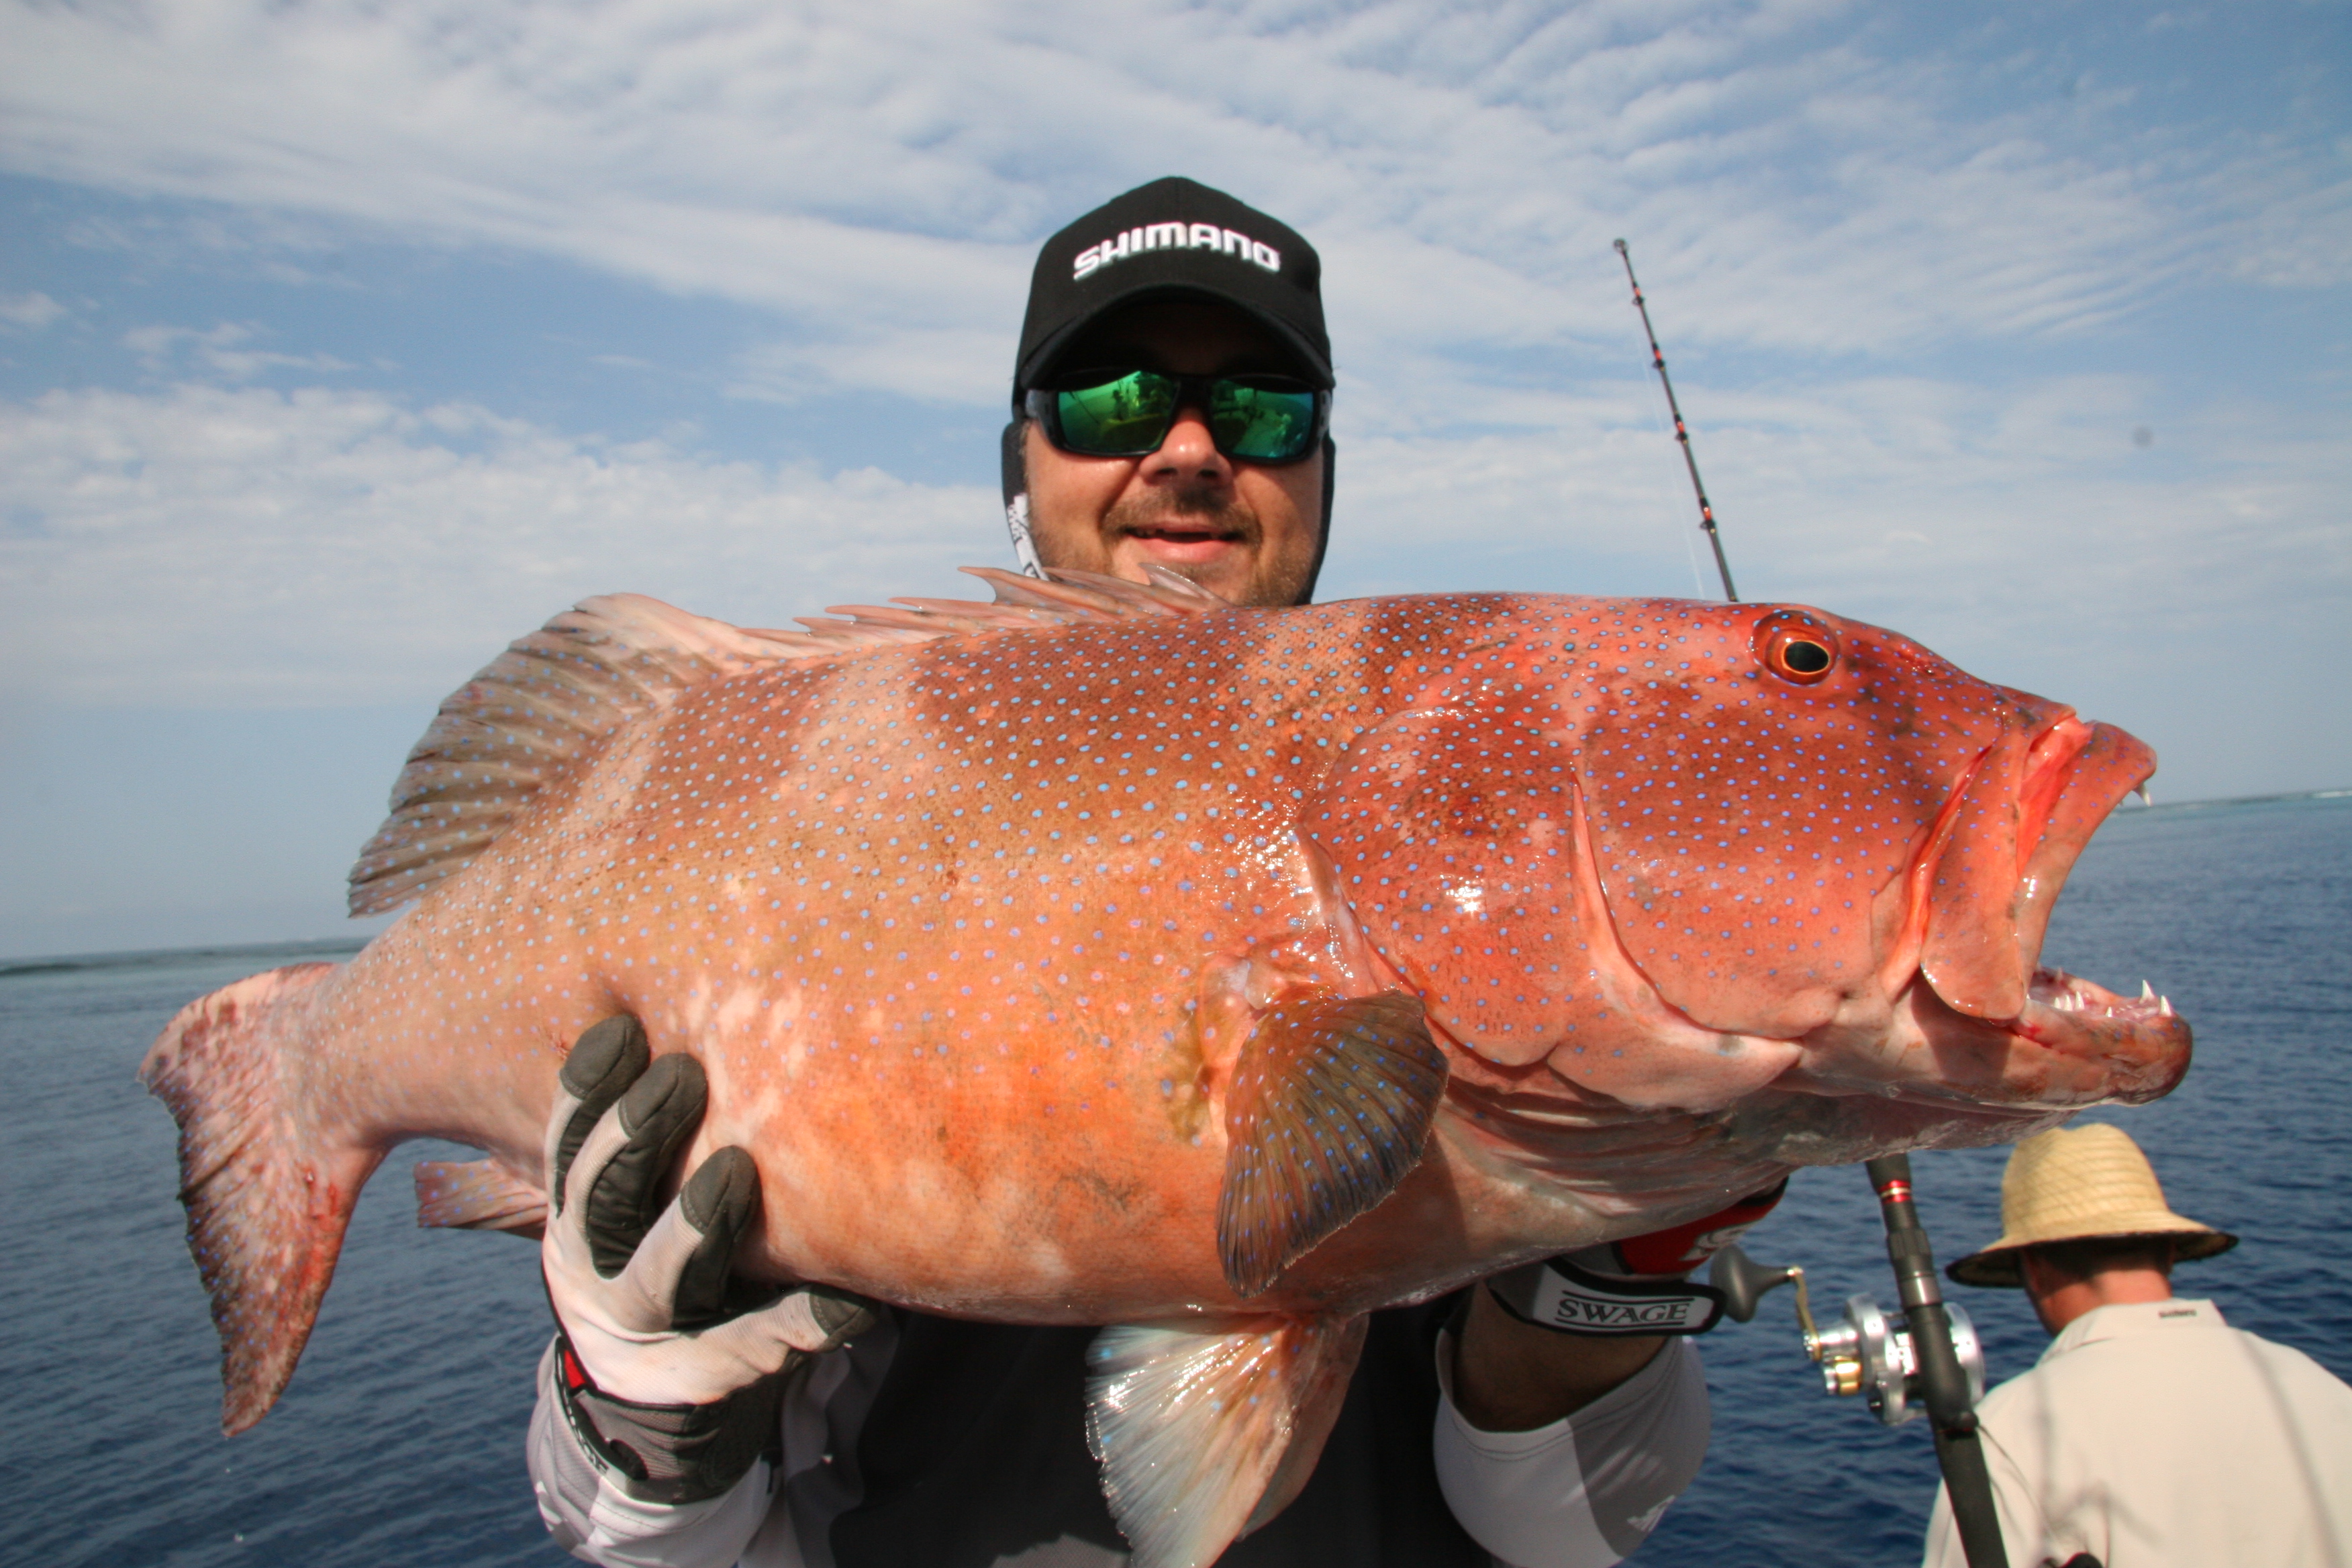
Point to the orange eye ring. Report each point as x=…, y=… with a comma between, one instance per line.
x=1795, y=647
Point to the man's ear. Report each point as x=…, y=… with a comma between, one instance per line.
x=1014, y=459
x=1323, y=535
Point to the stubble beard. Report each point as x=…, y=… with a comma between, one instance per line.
x=1271, y=583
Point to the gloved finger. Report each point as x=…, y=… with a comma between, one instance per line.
x=1681, y=1248
x=719, y=1202
x=607, y=1059
x=821, y=1317
x=655, y=1117
x=696, y=1236
x=804, y=1320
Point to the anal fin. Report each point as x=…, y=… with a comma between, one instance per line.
x=1330, y=1108
x=476, y=1195
x=1205, y=1429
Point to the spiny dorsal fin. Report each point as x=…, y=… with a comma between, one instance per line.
x=557, y=693
x=1329, y=1106
x=1059, y=598
x=549, y=697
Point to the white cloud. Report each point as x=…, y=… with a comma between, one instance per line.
x=1835, y=212
x=252, y=548
x=880, y=174
x=942, y=366
x=223, y=351
x=31, y=312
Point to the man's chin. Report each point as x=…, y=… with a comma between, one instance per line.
x=1224, y=566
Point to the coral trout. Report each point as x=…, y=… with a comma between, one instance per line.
x=1111, y=954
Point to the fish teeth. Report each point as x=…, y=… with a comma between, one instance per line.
x=2144, y=797
x=2146, y=991
x=2164, y=1005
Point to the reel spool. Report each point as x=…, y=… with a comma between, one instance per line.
x=1871, y=1354
x=1868, y=1352
x=1878, y=1355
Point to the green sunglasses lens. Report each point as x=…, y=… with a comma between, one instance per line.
x=1130, y=414
x=1119, y=418
x=1262, y=424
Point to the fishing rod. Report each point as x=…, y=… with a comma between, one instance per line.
x=1681, y=431
x=1948, y=1390
x=1935, y=1357
x=1932, y=1359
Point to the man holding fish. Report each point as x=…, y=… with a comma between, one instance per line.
x=1172, y=394
x=1196, y=979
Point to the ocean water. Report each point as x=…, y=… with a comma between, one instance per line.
x=400, y=1439
x=2241, y=913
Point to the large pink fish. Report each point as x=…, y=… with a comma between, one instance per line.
x=1220, y=972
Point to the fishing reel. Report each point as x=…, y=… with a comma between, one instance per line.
x=1868, y=1352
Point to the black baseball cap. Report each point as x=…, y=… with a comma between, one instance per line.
x=1172, y=238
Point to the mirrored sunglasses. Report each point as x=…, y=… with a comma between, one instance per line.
x=1257, y=418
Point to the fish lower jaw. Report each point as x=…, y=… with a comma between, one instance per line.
x=2063, y=993
x=2075, y=1043
x=2138, y=1043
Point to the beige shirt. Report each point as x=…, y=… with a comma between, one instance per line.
x=2156, y=1436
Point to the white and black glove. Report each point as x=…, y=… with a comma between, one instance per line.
x=669, y=1369
x=1638, y=1286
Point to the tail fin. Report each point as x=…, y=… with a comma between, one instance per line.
x=269, y=1191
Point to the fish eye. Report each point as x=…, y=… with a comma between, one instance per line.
x=1804, y=657
x=1795, y=647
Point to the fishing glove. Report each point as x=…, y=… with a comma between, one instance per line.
x=1638, y=1286
x=670, y=1370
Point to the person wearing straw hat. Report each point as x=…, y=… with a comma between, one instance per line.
x=2150, y=1432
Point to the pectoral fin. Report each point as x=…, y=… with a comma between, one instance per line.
x=476, y=1195
x=1207, y=1429
x=1329, y=1106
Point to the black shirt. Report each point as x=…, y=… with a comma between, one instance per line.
x=974, y=1454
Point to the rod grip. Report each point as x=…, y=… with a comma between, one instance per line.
x=1943, y=1383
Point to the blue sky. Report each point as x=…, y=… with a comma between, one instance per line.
x=341, y=343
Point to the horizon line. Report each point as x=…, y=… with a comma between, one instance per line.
x=159, y=957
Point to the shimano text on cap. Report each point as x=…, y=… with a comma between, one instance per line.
x=1175, y=238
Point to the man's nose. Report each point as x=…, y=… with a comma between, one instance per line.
x=1189, y=454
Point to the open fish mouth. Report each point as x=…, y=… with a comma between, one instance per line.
x=2074, y=1043
x=2140, y=1040
x=1973, y=1004
x=2057, y=991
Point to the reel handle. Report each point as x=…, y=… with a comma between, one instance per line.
x=1743, y=1282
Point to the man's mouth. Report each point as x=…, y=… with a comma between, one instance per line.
x=1185, y=540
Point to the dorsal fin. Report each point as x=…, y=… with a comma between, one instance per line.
x=528, y=712
x=557, y=693
x=1059, y=598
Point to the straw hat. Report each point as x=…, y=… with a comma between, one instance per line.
x=2075, y=1184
